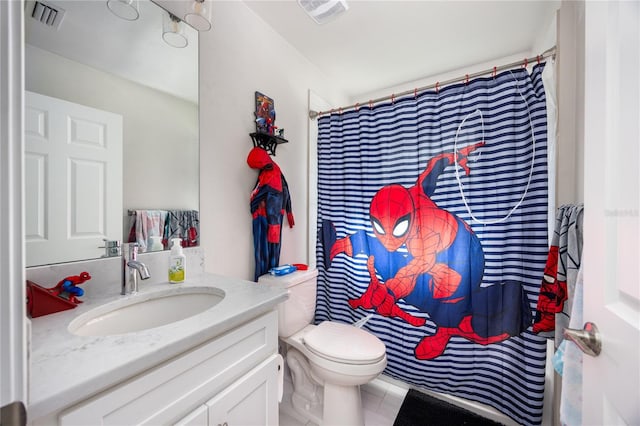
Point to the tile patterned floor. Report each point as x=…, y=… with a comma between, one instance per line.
x=381, y=402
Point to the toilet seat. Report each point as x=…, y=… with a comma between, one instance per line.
x=345, y=344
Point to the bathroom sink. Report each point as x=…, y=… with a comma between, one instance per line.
x=146, y=310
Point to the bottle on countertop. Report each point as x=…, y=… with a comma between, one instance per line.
x=177, y=262
x=156, y=243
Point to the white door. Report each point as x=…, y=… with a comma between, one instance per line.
x=73, y=180
x=611, y=260
x=13, y=336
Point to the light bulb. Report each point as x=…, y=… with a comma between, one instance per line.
x=173, y=31
x=200, y=16
x=125, y=9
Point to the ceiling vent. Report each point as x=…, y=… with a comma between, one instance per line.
x=323, y=11
x=46, y=13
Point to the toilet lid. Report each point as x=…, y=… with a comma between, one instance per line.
x=344, y=343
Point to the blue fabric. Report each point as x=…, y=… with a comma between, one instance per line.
x=500, y=245
x=268, y=206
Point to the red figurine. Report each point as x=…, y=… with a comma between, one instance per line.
x=69, y=285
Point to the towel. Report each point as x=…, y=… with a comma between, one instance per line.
x=557, y=289
x=144, y=224
x=183, y=224
x=571, y=397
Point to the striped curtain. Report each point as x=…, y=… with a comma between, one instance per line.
x=432, y=216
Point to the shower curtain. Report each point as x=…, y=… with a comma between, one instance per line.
x=432, y=216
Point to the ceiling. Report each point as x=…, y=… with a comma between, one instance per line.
x=378, y=44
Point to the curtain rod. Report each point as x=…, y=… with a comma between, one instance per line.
x=549, y=52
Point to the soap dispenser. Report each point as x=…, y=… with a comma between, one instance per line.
x=177, y=262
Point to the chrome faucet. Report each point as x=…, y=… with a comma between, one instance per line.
x=131, y=267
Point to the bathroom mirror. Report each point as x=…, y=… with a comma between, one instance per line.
x=84, y=57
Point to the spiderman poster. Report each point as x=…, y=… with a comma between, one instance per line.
x=432, y=217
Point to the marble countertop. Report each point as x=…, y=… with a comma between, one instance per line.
x=66, y=369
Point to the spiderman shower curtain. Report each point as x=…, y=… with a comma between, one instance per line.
x=433, y=217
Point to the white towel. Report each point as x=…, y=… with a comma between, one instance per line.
x=146, y=224
x=571, y=397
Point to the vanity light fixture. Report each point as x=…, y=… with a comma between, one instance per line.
x=125, y=9
x=199, y=15
x=173, y=31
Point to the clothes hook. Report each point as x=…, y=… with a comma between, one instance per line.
x=538, y=58
x=526, y=63
x=370, y=104
x=357, y=107
x=495, y=69
x=466, y=79
x=415, y=93
x=393, y=98
x=437, y=86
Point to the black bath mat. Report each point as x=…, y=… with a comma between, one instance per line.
x=419, y=409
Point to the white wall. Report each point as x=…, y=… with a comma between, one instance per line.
x=239, y=56
x=570, y=182
x=429, y=80
x=160, y=146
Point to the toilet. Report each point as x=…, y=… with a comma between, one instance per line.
x=329, y=361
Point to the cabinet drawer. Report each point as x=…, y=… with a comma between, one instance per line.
x=172, y=389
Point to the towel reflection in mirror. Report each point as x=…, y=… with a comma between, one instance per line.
x=144, y=225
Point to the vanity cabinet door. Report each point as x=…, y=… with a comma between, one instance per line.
x=251, y=400
x=198, y=417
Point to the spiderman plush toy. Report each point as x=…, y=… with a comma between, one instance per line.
x=270, y=200
x=442, y=270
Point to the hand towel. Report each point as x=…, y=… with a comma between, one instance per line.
x=183, y=224
x=145, y=224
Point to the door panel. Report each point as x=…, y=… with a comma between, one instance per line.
x=73, y=179
x=612, y=206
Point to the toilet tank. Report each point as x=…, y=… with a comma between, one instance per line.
x=297, y=311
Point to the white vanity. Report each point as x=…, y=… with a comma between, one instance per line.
x=220, y=366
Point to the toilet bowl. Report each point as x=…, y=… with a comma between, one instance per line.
x=338, y=358
x=329, y=361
